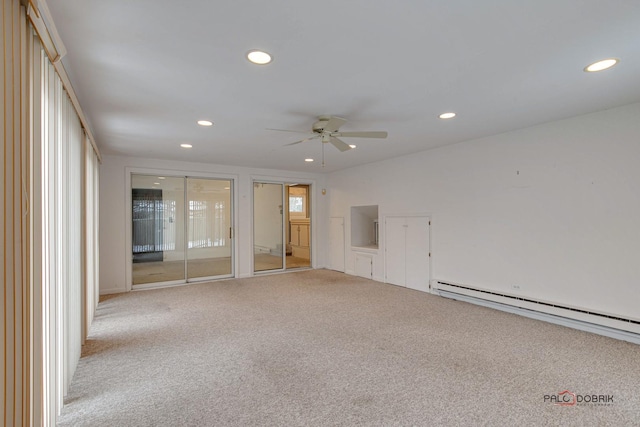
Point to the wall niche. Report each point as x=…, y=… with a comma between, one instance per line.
x=364, y=226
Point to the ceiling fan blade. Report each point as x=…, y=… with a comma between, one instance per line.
x=334, y=124
x=340, y=145
x=287, y=130
x=365, y=134
x=302, y=140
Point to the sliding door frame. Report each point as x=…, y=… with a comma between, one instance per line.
x=129, y=171
x=254, y=179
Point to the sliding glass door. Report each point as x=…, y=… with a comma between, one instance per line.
x=181, y=229
x=157, y=222
x=281, y=226
x=268, y=236
x=209, y=228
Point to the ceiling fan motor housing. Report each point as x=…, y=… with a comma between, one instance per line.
x=318, y=126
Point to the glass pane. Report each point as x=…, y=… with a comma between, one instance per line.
x=208, y=227
x=157, y=229
x=298, y=229
x=295, y=204
x=267, y=227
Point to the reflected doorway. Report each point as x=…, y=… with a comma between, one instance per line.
x=181, y=229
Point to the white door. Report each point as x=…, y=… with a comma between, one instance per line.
x=395, y=248
x=407, y=252
x=364, y=265
x=336, y=244
x=417, y=253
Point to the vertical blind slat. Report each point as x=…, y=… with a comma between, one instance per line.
x=14, y=373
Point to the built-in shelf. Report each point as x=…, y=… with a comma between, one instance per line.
x=367, y=249
x=364, y=227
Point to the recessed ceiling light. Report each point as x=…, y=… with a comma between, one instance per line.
x=259, y=57
x=227, y=188
x=352, y=145
x=447, y=115
x=161, y=177
x=186, y=145
x=308, y=160
x=601, y=65
x=205, y=123
x=156, y=183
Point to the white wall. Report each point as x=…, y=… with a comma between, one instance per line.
x=115, y=196
x=554, y=209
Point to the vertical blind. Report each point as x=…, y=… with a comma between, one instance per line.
x=91, y=221
x=14, y=213
x=49, y=230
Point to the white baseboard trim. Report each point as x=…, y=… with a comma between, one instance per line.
x=112, y=291
x=545, y=317
x=374, y=278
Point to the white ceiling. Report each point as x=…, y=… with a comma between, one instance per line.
x=146, y=70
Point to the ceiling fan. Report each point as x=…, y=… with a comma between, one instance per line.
x=327, y=129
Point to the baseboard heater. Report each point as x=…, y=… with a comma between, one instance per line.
x=590, y=321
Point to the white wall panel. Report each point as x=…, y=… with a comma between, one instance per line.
x=336, y=244
x=395, y=248
x=406, y=251
x=417, y=253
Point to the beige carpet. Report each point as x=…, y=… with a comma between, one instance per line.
x=320, y=348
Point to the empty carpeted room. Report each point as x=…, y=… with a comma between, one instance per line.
x=334, y=213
